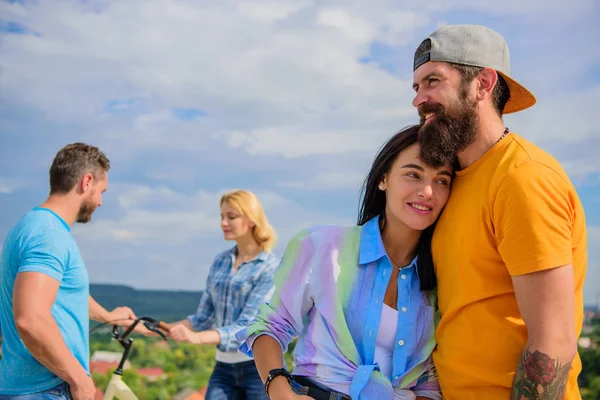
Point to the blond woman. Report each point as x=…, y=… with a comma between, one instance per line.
x=239, y=281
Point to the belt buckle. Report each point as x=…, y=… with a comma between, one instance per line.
x=303, y=390
x=333, y=395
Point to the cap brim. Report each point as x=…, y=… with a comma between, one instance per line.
x=520, y=97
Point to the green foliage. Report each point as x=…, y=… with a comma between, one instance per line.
x=101, y=380
x=188, y=366
x=185, y=366
x=589, y=379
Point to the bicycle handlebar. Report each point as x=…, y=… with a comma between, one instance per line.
x=150, y=323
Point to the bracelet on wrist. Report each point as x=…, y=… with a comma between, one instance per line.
x=274, y=373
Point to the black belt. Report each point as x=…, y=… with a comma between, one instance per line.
x=317, y=392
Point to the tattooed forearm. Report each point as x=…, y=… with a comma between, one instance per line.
x=539, y=377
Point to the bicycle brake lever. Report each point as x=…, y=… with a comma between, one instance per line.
x=160, y=333
x=153, y=326
x=150, y=326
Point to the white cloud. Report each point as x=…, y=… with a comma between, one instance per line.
x=293, y=143
x=580, y=169
x=563, y=125
x=280, y=78
x=150, y=212
x=214, y=58
x=561, y=118
x=561, y=12
x=594, y=236
x=270, y=11
x=9, y=185
x=285, y=95
x=592, y=281
x=353, y=27
x=161, y=229
x=327, y=181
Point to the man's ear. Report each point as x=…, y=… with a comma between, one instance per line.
x=85, y=183
x=485, y=83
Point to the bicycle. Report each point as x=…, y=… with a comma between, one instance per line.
x=116, y=386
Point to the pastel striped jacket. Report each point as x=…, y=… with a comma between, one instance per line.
x=330, y=287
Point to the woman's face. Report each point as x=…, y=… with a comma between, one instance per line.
x=415, y=192
x=233, y=223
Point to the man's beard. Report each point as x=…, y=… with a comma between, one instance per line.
x=86, y=210
x=451, y=131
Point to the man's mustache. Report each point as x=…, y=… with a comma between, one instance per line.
x=430, y=108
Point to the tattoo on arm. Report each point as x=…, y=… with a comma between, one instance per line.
x=539, y=377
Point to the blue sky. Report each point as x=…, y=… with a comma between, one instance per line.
x=288, y=99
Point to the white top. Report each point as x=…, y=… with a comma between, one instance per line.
x=231, y=357
x=384, y=353
x=386, y=339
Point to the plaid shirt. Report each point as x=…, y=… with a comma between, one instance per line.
x=232, y=299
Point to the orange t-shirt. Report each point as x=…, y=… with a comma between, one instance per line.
x=512, y=212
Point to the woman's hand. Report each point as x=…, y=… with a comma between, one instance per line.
x=181, y=333
x=280, y=389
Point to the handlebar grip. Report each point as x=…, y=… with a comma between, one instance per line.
x=164, y=326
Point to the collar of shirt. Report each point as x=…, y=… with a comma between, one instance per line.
x=371, y=244
x=262, y=256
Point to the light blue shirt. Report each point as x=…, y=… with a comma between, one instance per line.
x=42, y=242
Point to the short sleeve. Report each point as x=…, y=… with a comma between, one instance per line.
x=533, y=215
x=46, y=252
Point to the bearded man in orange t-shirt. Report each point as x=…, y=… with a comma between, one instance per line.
x=510, y=246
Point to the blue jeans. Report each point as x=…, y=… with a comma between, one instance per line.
x=60, y=392
x=237, y=381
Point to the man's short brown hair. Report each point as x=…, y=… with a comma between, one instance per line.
x=72, y=162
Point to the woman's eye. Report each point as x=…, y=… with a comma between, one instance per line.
x=412, y=175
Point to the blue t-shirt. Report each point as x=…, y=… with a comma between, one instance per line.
x=42, y=242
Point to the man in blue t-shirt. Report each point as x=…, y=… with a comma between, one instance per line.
x=45, y=304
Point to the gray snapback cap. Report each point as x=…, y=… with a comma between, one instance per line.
x=477, y=46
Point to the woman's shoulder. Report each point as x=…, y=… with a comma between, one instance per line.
x=333, y=231
x=270, y=258
x=327, y=236
x=224, y=255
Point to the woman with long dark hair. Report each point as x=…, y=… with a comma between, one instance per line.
x=360, y=299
